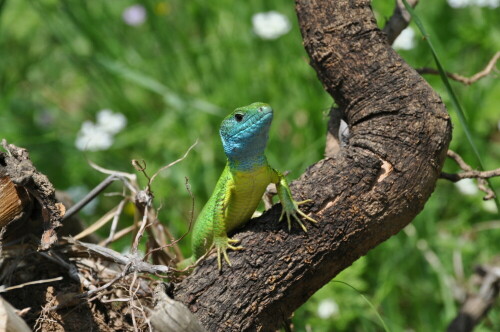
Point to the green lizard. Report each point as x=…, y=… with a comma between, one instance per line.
x=244, y=135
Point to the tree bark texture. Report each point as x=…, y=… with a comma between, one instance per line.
x=33, y=207
x=371, y=189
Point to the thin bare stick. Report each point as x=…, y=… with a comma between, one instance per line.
x=173, y=162
x=30, y=283
x=98, y=224
x=125, y=299
x=108, y=284
x=128, y=179
x=169, y=235
x=90, y=196
x=466, y=80
x=114, y=224
x=454, y=177
x=129, y=176
x=140, y=233
x=57, y=259
x=119, y=235
x=132, y=295
x=133, y=262
x=470, y=173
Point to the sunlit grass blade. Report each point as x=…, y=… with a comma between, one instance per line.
x=154, y=85
x=382, y=322
x=456, y=104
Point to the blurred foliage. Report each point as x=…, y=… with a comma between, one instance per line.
x=176, y=76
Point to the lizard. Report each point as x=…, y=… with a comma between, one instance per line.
x=244, y=134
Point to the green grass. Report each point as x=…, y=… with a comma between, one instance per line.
x=451, y=93
x=177, y=75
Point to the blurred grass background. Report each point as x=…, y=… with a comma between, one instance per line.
x=176, y=75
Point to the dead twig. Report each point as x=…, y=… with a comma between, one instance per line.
x=118, y=235
x=477, y=305
x=90, y=196
x=173, y=163
x=36, y=282
x=470, y=173
x=173, y=241
x=131, y=262
x=466, y=80
x=89, y=293
x=114, y=224
x=97, y=225
x=140, y=233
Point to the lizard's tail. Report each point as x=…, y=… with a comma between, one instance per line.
x=184, y=264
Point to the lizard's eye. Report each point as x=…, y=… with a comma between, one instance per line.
x=238, y=117
x=261, y=109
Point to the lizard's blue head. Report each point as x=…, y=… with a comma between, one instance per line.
x=244, y=133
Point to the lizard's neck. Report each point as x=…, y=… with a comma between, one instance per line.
x=247, y=155
x=247, y=163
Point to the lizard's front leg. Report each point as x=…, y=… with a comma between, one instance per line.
x=290, y=207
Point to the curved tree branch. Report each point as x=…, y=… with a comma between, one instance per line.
x=399, y=20
x=371, y=189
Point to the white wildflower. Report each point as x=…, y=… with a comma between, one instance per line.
x=480, y=3
x=493, y=4
x=405, y=40
x=270, y=25
x=467, y=187
x=92, y=137
x=459, y=3
x=328, y=308
x=490, y=206
x=111, y=122
x=134, y=15
x=99, y=136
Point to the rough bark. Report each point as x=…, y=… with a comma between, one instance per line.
x=43, y=216
x=14, y=201
x=371, y=189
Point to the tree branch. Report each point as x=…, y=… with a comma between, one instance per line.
x=470, y=173
x=477, y=305
x=398, y=138
x=399, y=20
x=466, y=80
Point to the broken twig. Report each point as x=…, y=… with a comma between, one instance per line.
x=466, y=80
x=470, y=173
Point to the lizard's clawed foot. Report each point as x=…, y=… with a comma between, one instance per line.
x=222, y=245
x=291, y=210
